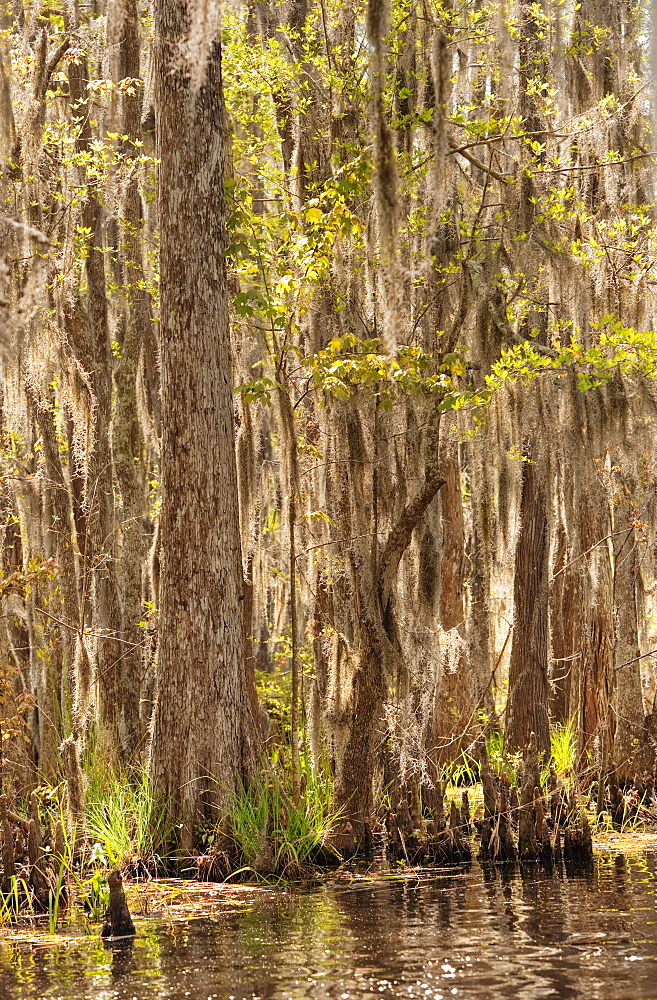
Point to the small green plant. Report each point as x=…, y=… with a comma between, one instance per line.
x=7, y=905
x=21, y=888
x=94, y=894
x=563, y=743
x=14, y=894
x=462, y=771
x=274, y=686
x=56, y=897
x=501, y=762
x=602, y=823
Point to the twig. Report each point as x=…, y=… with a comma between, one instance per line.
x=479, y=164
x=636, y=659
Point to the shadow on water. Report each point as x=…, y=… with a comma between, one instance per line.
x=488, y=933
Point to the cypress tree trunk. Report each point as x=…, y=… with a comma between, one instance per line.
x=61, y=528
x=566, y=627
x=201, y=722
x=632, y=751
x=455, y=702
x=527, y=707
x=373, y=577
x=479, y=619
x=127, y=438
x=106, y=603
x=88, y=330
x=598, y=631
x=366, y=686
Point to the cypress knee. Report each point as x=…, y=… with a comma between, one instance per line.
x=118, y=922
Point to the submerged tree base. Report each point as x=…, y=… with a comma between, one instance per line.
x=118, y=922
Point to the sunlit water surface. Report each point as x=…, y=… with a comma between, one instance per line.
x=473, y=934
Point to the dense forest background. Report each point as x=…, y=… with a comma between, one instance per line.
x=439, y=233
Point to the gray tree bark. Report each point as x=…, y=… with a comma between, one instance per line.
x=202, y=738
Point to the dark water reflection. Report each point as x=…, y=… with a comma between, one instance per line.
x=477, y=934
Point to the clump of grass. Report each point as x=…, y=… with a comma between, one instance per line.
x=124, y=818
x=272, y=834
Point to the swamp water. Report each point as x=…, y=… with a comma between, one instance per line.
x=474, y=934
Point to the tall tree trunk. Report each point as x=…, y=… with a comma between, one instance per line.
x=632, y=751
x=373, y=586
x=202, y=735
x=479, y=619
x=454, y=703
x=364, y=686
x=127, y=438
x=527, y=707
x=598, y=633
x=566, y=627
x=93, y=349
